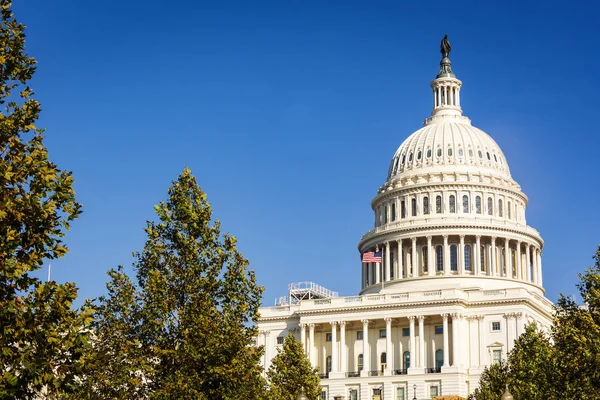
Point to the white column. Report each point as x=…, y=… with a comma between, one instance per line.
x=377, y=269
x=493, y=257
x=389, y=353
x=455, y=339
x=446, y=344
x=303, y=336
x=267, y=347
x=480, y=329
x=461, y=255
x=539, y=262
x=412, y=344
x=507, y=258
x=343, y=351
x=446, y=256
x=458, y=97
x=387, y=261
x=422, y=363
x=311, y=344
x=415, y=264
x=518, y=261
x=366, y=355
x=528, y=263
x=477, y=253
x=400, y=266
x=430, y=267
x=334, y=348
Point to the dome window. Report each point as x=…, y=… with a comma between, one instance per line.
x=452, y=204
x=439, y=152
x=425, y=205
x=453, y=258
x=438, y=204
x=479, y=153
x=410, y=157
x=428, y=153
x=403, y=158
x=413, y=204
x=449, y=151
x=393, y=211
x=478, y=205
x=500, y=207
x=488, y=155
x=490, y=206
x=495, y=158
x=508, y=209
x=470, y=153
x=468, y=258
x=419, y=154
x=460, y=152
x=465, y=204
x=439, y=258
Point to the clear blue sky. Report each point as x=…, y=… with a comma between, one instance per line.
x=288, y=113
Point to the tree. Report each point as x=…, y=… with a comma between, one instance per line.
x=185, y=329
x=290, y=371
x=42, y=337
x=492, y=383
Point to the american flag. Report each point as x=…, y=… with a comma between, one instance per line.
x=370, y=256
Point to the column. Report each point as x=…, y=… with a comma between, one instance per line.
x=455, y=340
x=507, y=258
x=461, y=255
x=267, y=346
x=477, y=253
x=415, y=264
x=520, y=324
x=422, y=363
x=387, y=261
x=539, y=262
x=311, y=344
x=366, y=355
x=343, y=351
x=481, y=332
x=303, y=336
x=510, y=331
x=528, y=263
x=446, y=256
x=400, y=274
x=536, y=274
x=446, y=344
x=518, y=266
x=364, y=276
x=377, y=269
x=493, y=257
x=388, y=345
x=334, y=348
x=412, y=341
x=430, y=267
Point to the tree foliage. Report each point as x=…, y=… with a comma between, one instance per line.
x=290, y=371
x=185, y=329
x=42, y=337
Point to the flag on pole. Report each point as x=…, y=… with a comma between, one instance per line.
x=372, y=257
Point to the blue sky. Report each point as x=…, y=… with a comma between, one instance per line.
x=288, y=113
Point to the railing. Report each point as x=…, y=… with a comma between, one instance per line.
x=375, y=373
x=433, y=370
x=324, y=376
x=352, y=374
x=400, y=371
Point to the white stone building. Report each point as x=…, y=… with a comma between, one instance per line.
x=461, y=272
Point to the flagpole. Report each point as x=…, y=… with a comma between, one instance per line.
x=49, y=266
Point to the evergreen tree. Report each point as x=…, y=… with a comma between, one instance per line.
x=42, y=337
x=186, y=329
x=290, y=371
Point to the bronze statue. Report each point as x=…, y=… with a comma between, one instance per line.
x=445, y=47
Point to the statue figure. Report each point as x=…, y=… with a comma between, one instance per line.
x=445, y=47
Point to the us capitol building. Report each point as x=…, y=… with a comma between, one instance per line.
x=459, y=278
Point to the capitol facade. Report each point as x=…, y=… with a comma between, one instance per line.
x=460, y=273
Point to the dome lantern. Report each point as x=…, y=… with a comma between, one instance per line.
x=446, y=88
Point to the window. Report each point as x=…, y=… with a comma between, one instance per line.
x=403, y=209
x=439, y=329
x=439, y=358
x=424, y=259
x=465, y=204
x=383, y=358
x=439, y=258
x=425, y=205
x=433, y=391
x=405, y=331
x=500, y=207
x=428, y=153
x=478, y=205
x=471, y=153
x=478, y=153
x=280, y=339
x=403, y=158
x=419, y=154
x=413, y=204
x=488, y=155
x=360, y=362
x=385, y=215
x=438, y=204
x=382, y=333
x=328, y=337
x=393, y=211
x=496, y=326
x=359, y=335
x=453, y=258
x=497, y=357
x=452, y=204
x=482, y=257
x=439, y=152
x=328, y=364
x=495, y=158
x=490, y=206
x=449, y=151
x=324, y=395
x=460, y=152
x=406, y=359
x=410, y=157
x=508, y=209
x=353, y=394
x=399, y=394
x=468, y=258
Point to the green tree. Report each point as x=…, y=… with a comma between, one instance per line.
x=576, y=334
x=492, y=383
x=42, y=337
x=185, y=329
x=290, y=371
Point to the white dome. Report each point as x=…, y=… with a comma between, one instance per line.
x=449, y=143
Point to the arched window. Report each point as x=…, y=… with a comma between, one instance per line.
x=452, y=204
x=328, y=364
x=419, y=154
x=403, y=209
x=439, y=258
x=514, y=263
x=410, y=157
x=449, y=151
x=468, y=258
x=478, y=205
x=439, y=358
x=424, y=259
x=428, y=153
x=406, y=359
x=465, y=204
x=425, y=205
x=393, y=211
x=490, y=206
x=439, y=152
x=438, y=204
x=403, y=158
x=508, y=210
x=453, y=258
x=413, y=204
x=360, y=362
x=385, y=215
x=502, y=259
x=483, y=258
x=383, y=358
x=499, y=207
